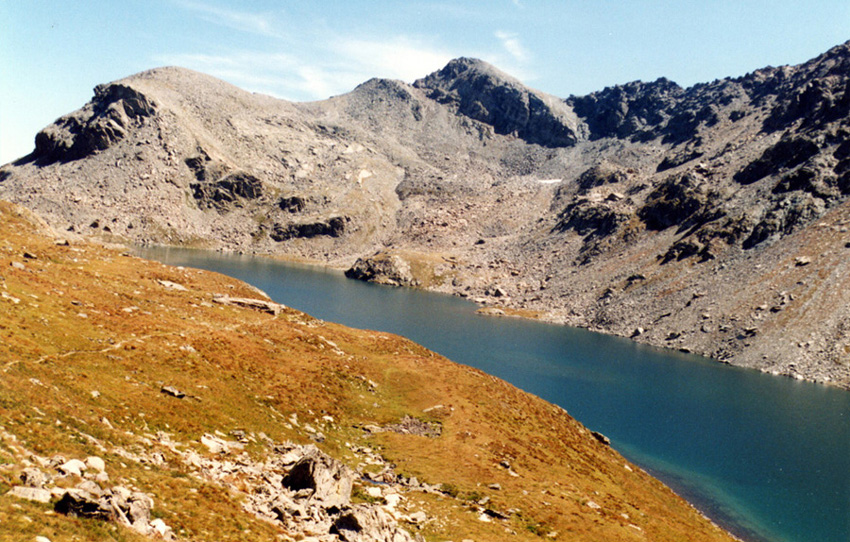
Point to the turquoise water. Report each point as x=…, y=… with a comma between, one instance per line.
x=767, y=457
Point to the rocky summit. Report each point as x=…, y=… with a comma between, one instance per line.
x=711, y=219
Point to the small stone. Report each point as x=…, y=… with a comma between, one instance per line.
x=161, y=528
x=498, y=291
x=601, y=438
x=18, y=265
x=374, y=492
x=42, y=539
x=31, y=494
x=33, y=477
x=417, y=517
x=172, y=391
x=800, y=261
x=393, y=499
x=172, y=285
x=214, y=445
x=91, y=487
x=95, y=463
x=73, y=467
x=495, y=487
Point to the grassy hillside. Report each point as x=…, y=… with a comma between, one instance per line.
x=104, y=354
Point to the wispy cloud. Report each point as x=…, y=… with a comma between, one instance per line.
x=333, y=65
x=399, y=57
x=242, y=20
x=315, y=61
x=511, y=43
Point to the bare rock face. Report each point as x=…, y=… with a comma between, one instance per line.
x=115, y=109
x=482, y=92
x=332, y=227
x=678, y=201
x=31, y=494
x=785, y=155
x=635, y=110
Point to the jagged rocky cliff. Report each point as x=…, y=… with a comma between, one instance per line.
x=712, y=219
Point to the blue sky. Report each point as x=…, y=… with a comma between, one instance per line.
x=52, y=53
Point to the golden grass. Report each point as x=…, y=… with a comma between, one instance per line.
x=89, y=319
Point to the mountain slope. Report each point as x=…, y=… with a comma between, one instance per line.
x=191, y=391
x=711, y=219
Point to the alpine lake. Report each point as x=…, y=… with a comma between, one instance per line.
x=766, y=457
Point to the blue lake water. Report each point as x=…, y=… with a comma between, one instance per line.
x=767, y=457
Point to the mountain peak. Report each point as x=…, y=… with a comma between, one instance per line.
x=481, y=91
x=465, y=66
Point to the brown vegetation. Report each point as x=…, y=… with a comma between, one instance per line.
x=90, y=336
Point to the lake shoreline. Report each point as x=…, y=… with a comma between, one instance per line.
x=496, y=307
x=658, y=402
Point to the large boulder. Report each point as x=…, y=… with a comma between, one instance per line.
x=383, y=268
x=328, y=480
x=363, y=523
x=118, y=504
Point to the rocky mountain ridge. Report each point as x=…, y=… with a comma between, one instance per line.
x=711, y=219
